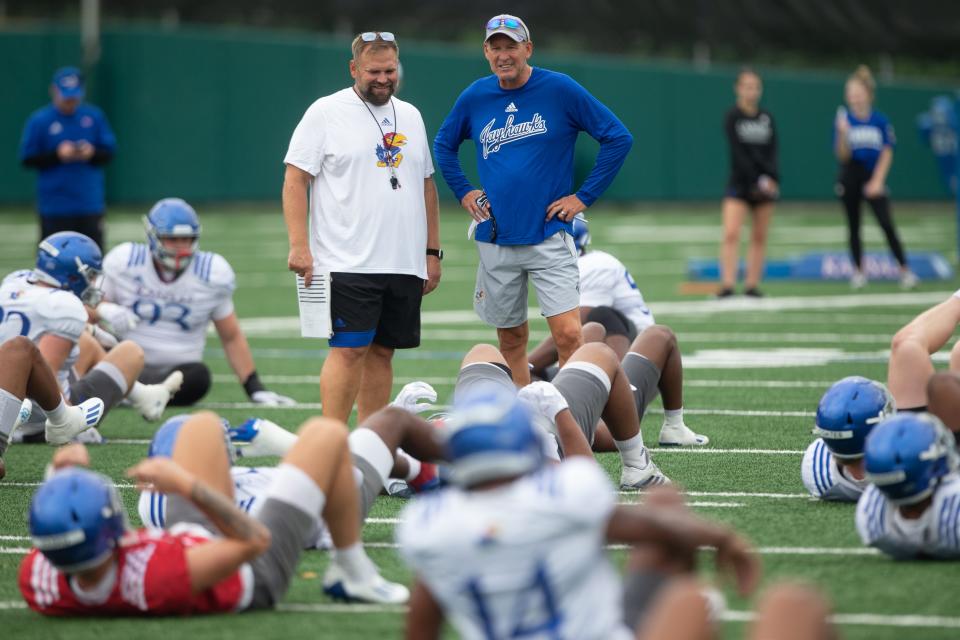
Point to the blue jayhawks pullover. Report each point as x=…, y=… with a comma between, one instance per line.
x=525, y=142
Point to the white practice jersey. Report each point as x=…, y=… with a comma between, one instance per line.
x=824, y=478
x=525, y=559
x=174, y=316
x=935, y=534
x=33, y=310
x=605, y=282
x=249, y=483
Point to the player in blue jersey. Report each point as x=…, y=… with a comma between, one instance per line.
x=68, y=142
x=863, y=143
x=524, y=122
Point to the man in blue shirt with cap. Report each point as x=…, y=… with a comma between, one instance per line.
x=524, y=122
x=68, y=142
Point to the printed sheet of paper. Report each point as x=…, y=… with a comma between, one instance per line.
x=315, y=306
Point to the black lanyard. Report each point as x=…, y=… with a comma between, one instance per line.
x=394, y=182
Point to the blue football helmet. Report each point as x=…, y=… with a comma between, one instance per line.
x=908, y=454
x=165, y=437
x=76, y=519
x=73, y=262
x=491, y=436
x=172, y=218
x=848, y=412
x=581, y=233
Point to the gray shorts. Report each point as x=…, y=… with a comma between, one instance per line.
x=500, y=297
x=640, y=589
x=480, y=374
x=290, y=532
x=96, y=384
x=645, y=376
x=370, y=485
x=586, y=396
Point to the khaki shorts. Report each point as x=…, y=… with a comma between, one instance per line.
x=500, y=297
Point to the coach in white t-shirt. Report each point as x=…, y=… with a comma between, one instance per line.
x=374, y=223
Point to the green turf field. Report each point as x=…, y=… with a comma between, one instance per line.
x=754, y=375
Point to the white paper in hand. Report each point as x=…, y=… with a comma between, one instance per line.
x=315, y=306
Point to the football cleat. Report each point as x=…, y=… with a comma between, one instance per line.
x=78, y=419
x=260, y=437
x=375, y=590
x=681, y=436
x=152, y=399
x=635, y=479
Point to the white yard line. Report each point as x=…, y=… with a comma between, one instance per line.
x=850, y=619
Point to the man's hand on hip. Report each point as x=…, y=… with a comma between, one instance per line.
x=565, y=208
x=477, y=212
x=301, y=262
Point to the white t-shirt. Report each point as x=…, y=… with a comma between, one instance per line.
x=33, y=310
x=824, y=478
x=358, y=222
x=174, y=316
x=519, y=556
x=605, y=282
x=935, y=534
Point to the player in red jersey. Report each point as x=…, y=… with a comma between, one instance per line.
x=86, y=561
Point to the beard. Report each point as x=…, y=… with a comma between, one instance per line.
x=377, y=99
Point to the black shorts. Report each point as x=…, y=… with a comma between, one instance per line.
x=748, y=193
x=375, y=307
x=89, y=224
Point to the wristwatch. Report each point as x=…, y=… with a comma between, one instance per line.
x=435, y=252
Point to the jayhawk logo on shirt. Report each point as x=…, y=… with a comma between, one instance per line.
x=388, y=153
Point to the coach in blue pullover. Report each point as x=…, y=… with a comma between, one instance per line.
x=524, y=122
x=68, y=142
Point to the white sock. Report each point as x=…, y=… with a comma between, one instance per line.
x=415, y=465
x=59, y=414
x=354, y=562
x=135, y=391
x=673, y=417
x=632, y=451
x=9, y=412
x=272, y=440
x=113, y=372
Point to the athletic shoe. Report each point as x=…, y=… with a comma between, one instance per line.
x=90, y=436
x=638, y=478
x=726, y=292
x=398, y=489
x=753, y=292
x=152, y=399
x=375, y=590
x=79, y=418
x=681, y=436
x=858, y=280
x=908, y=280
x=261, y=437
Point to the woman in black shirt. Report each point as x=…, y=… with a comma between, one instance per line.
x=753, y=186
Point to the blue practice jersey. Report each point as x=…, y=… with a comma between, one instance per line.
x=525, y=142
x=867, y=138
x=69, y=188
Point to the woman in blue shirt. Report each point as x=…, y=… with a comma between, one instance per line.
x=863, y=142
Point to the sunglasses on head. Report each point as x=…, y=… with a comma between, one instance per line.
x=370, y=36
x=509, y=23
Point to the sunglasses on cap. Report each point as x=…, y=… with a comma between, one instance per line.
x=370, y=36
x=509, y=23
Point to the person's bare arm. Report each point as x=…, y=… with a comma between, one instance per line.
x=432, y=201
x=235, y=346
x=648, y=524
x=425, y=617
x=876, y=186
x=208, y=563
x=296, y=182
x=55, y=350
